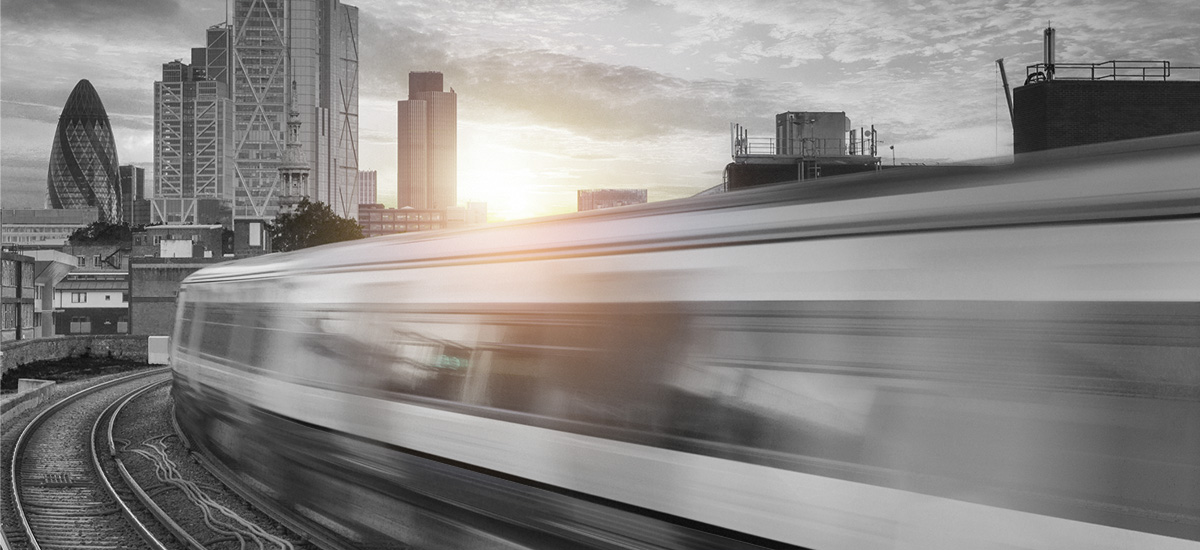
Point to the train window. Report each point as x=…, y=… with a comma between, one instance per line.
x=185, y=325
x=245, y=321
x=600, y=368
x=260, y=341
x=218, y=329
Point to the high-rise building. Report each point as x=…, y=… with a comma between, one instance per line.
x=269, y=46
x=135, y=209
x=427, y=128
x=83, y=159
x=368, y=188
x=313, y=43
x=193, y=135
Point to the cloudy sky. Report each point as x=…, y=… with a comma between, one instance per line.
x=559, y=96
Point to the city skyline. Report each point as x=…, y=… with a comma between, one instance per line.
x=554, y=98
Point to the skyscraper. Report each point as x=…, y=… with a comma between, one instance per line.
x=427, y=152
x=83, y=159
x=268, y=45
x=313, y=43
x=193, y=131
x=135, y=208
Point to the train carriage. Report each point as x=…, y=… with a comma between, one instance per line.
x=976, y=356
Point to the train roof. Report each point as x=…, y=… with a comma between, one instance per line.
x=699, y=220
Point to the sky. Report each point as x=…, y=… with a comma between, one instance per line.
x=557, y=96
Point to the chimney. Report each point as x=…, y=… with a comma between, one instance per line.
x=1048, y=48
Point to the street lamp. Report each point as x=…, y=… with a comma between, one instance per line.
x=893, y=148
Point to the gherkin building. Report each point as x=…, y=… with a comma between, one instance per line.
x=83, y=160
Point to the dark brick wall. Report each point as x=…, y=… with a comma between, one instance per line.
x=155, y=286
x=1063, y=113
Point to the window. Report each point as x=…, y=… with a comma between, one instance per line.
x=125, y=297
x=78, y=297
x=81, y=261
x=81, y=325
x=10, y=316
x=96, y=261
x=108, y=297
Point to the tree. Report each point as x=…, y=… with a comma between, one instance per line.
x=102, y=233
x=311, y=224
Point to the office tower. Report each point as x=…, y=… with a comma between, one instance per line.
x=368, y=189
x=427, y=128
x=83, y=159
x=134, y=206
x=313, y=43
x=256, y=57
x=193, y=137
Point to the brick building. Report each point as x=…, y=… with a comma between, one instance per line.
x=1102, y=104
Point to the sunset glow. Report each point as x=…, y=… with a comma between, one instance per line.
x=553, y=97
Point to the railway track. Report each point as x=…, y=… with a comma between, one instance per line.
x=102, y=469
x=63, y=497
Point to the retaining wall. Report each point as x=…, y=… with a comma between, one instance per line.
x=30, y=393
x=124, y=346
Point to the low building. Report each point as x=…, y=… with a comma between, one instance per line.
x=181, y=241
x=50, y=268
x=474, y=213
x=99, y=256
x=17, y=297
x=43, y=227
x=595, y=199
x=377, y=220
x=250, y=238
x=92, y=302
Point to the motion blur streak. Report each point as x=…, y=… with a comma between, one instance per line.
x=1001, y=357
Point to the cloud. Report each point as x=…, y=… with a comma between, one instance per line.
x=87, y=12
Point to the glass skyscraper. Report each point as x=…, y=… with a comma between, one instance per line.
x=83, y=160
x=268, y=45
x=315, y=44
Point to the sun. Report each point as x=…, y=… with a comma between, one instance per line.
x=515, y=183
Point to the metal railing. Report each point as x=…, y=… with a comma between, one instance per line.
x=805, y=147
x=1110, y=70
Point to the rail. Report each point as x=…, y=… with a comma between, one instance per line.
x=1132, y=70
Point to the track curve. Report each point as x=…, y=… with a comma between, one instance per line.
x=63, y=499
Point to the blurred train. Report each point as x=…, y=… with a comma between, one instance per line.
x=963, y=357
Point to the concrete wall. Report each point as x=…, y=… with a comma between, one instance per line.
x=30, y=393
x=119, y=345
x=1064, y=113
